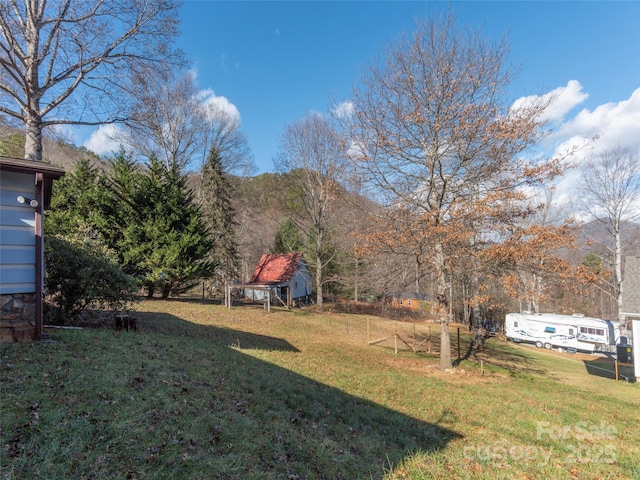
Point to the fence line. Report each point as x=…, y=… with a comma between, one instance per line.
x=413, y=336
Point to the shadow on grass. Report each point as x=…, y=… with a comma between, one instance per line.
x=284, y=424
x=512, y=357
x=605, y=368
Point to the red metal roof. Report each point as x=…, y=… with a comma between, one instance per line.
x=275, y=268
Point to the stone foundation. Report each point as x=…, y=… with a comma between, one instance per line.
x=18, y=318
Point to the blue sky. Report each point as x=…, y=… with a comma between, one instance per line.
x=272, y=62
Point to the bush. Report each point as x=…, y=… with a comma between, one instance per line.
x=79, y=275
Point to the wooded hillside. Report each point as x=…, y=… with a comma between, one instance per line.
x=356, y=268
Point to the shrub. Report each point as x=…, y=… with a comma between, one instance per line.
x=80, y=274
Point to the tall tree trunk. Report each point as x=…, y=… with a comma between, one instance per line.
x=355, y=283
x=476, y=318
x=319, y=266
x=32, y=118
x=445, y=338
x=478, y=338
x=445, y=342
x=617, y=258
x=33, y=139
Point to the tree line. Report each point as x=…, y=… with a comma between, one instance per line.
x=427, y=179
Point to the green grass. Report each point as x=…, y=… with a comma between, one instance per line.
x=203, y=392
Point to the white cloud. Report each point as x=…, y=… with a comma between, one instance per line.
x=344, y=110
x=214, y=103
x=561, y=101
x=101, y=141
x=614, y=123
x=564, y=99
x=590, y=132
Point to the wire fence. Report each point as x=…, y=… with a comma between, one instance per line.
x=417, y=336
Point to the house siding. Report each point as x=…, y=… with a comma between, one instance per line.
x=631, y=306
x=17, y=231
x=17, y=258
x=631, y=287
x=409, y=301
x=300, y=284
x=21, y=255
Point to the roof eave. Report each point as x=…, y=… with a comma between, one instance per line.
x=28, y=166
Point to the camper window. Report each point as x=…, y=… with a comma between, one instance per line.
x=549, y=330
x=592, y=331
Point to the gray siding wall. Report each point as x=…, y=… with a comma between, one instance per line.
x=300, y=284
x=631, y=287
x=17, y=234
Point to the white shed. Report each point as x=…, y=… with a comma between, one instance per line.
x=286, y=276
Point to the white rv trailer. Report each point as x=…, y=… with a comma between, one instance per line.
x=572, y=332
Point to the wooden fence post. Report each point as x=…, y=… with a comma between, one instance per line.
x=368, y=337
x=414, y=337
x=395, y=338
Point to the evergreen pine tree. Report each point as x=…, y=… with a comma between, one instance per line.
x=172, y=243
x=82, y=267
x=148, y=219
x=219, y=215
x=157, y=229
x=76, y=204
x=288, y=238
x=122, y=208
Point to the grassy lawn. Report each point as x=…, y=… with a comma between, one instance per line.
x=204, y=392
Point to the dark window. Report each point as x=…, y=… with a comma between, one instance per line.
x=592, y=331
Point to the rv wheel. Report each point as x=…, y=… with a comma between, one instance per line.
x=547, y=346
x=539, y=344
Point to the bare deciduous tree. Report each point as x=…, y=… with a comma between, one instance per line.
x=226, y=137
x=611, y=195
x=166, y=120
x=172, y=119
x=68, y=61
x=314, y=154
x=434, y=135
